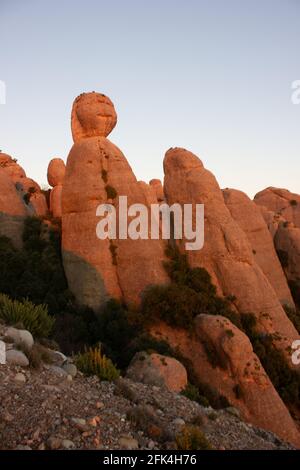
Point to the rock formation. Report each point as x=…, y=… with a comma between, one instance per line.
x=280, y=201
x=96, y=173
x=158, y=370
x=248, y=215
x=55, y=175
x=235, y=373
x=227, y=254
x=287, y=243
x=12, y=210
x=158, y=188
x=29, y=189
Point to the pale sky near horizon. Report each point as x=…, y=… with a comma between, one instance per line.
x=212, y=76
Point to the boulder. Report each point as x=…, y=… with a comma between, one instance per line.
x=155, y=369
x=20, y=337
x=56, y=172
x=16, y=358
x=248, y=215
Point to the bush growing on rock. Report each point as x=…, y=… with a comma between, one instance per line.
x=189, y=293
x=94, y=362
x=285, y=380
x=34, y=318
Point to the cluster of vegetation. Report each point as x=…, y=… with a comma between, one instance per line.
x=94, y=362
x=111, y=192
x=192, y=393
x=283, y=258
x=34, y=318
x=28, y=195
x=104, y=175
x=295, y=291
x=285, y=380
x=294, y=316
x=192, y=438
x=189, y=292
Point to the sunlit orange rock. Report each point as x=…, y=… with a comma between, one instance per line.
x=227, y=254
x=96, y=173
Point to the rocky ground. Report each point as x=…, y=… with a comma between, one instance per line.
x=49, y=409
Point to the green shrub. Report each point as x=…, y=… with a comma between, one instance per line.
x=294, y=316
x=192, y=438
x=94, y=362
x=111, y=192
x=192, y=393
x=190, y=292
x=104, y=175
x=34, y=318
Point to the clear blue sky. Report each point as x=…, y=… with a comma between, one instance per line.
x=212, y=76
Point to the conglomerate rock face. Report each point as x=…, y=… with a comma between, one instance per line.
x=98, y=173
x=227, y=254
x=248, y=215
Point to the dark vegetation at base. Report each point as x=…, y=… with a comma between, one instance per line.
x=36, y=273
x=189, y=293
x=295, y=290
